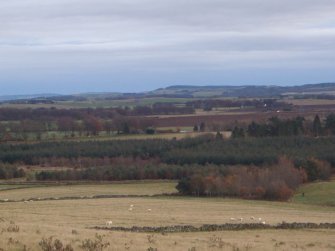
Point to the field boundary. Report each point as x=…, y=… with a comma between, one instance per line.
x=86, y=197
x=219, y=227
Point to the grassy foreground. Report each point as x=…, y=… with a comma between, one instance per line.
x=24, y=225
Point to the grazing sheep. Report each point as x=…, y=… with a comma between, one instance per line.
x=263, y=222
x=259, y=219
x=252, y=218
x=149, y=209
x=240, y=219
x=131, y=205
x=232, y=219
x=25, y=201
x=130, y=209
x=109, y=223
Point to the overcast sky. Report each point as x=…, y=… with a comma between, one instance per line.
x=71, y=46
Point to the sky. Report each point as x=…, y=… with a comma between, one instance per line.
x=76, y=46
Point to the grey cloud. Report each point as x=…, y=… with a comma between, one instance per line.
x=202, y=12
x=162, y=34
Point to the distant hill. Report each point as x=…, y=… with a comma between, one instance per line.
x=187, y=91
x=31, y=96
x=246, y=90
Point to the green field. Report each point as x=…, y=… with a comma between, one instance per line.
x=318, y=193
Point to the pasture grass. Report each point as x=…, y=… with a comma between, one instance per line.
x=318, y=193
x=205, y=241
x=4, y=187
x=77, y=190
x=71, y=221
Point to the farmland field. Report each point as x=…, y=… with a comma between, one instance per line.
x=59, y=136
x=131, y=188
x=98, y=103
x=71, y=221
x=303, y=102
x=6, y=187
x=319, y=193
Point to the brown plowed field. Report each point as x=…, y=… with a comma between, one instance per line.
x=228, y=119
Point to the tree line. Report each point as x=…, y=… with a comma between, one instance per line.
x=8, y=171
x=276, y=182
x=200, y=150
x=276, y=127
x=203, y=150
x=271, y=182
x=131, y=170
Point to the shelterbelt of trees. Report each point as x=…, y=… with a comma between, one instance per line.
x=260, y=168
x=200, y=150
x=288, y=127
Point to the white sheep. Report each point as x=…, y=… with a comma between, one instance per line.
x=252, y=218
x=232, y=219
x=130, y=209
x=263, y=222
x=259, y=219
x=109, y=223
x=149, y=209
x=241, y=219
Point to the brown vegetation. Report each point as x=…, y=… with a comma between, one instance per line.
x=277, y=182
